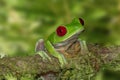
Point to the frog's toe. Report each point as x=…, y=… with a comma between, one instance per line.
x=62, y=60
x=44, y=55
x=47, y=56
x=84, y=48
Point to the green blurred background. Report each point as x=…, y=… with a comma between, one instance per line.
x=23, y=22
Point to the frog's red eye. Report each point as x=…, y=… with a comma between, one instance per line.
x=61, y=31
x=81, y=21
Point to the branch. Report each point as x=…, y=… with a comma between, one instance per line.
x=97, y=56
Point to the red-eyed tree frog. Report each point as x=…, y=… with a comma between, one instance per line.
x=64, y=35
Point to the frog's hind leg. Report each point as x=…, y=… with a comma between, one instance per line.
x=40, y=49
x=39, y=45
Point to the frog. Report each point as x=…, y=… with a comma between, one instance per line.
x=65, y=35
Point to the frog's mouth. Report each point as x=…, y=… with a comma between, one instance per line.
x=70, y=40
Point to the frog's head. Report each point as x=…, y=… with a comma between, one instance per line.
x=68, y=32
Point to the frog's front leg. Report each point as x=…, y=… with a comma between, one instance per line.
x=84, y=48
x=40, y=49
x=55, y=53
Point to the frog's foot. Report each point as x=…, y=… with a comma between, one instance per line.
x=62, y=60
x=60, y=56
x=41, y=51
x=44, y=55
x=84, y=48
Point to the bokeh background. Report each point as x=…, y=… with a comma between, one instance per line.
x=23, y=22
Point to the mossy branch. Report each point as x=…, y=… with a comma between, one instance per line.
x=97, y=56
